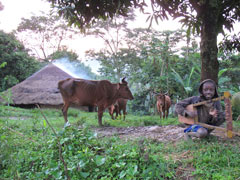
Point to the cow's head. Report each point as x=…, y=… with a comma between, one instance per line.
x=161, y=98
x=124, y=91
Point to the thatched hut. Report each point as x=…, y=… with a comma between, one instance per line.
x=40, y=88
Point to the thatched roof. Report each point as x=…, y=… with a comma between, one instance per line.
x=40, y=88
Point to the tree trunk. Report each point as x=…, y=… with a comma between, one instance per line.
x=208, y=45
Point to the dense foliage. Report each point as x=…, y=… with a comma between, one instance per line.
x=17, y=65
x=207, y=18
x=31, y=150
x=167, y=61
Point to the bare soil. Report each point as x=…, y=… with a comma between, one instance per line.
x=171, y=133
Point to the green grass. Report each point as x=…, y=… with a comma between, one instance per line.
x=33, y=117
x=88, y=157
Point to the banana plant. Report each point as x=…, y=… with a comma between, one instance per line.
x=186, y=83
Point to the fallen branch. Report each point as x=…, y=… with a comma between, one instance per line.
x=59, y=145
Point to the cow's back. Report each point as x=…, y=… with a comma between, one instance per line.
x=78, y=91
x=85, y=92
x=167, y=102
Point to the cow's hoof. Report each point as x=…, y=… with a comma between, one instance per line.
x=67, y=124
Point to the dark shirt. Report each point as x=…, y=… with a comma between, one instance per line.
x=202, y=110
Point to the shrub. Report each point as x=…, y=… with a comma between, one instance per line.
x=236, y=105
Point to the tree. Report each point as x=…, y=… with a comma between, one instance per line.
x=113, y=34
x=207, y=17
x=72, y=56
x=44, y=34
x=16, y=64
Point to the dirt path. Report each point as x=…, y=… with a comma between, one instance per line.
x=159, y=133
x=171, y=133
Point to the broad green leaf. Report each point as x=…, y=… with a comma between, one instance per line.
x=122, y=174
x=100, y=160
x=84, y=174
x=221, y=72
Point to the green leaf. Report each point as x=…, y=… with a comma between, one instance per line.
x=122, y=174
x=81, y=164
x=62, y=141
x=84, y=174
x=44, y=123
x=221, y=72
x=3, y=64
x=100, y=160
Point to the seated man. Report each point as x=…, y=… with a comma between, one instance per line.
x=209, y=113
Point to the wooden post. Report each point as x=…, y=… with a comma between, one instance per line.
x=228, y=114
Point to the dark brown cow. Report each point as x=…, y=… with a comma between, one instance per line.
x=163, y=105
x=119, y=106
x=92, y=93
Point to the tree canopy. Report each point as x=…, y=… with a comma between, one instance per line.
x=17, y=65
x=208, y=18
x=44, y=34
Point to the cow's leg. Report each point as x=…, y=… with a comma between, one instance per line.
x=65, y=110
x=111, y=111
x=124, y=114
x=116, y=114
x=120, y=114
x=160, y=114
x=164, y=115
x=100, y=114
x=167, y=113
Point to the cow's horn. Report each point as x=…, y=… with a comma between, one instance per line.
x=123, y=80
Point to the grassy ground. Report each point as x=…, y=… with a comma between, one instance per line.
x=90, y=158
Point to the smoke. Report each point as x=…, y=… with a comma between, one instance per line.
x=75, y=69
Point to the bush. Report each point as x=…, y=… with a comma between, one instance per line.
x=85, y=158
x=236, y=105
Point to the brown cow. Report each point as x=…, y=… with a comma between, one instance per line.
x=113, y=109
x=119, y=106
x=163, y=105
x=92, y=93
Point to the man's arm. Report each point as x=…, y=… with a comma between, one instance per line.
x=180, y=107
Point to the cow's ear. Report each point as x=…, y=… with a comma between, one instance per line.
x=118, y=86
x=69, y=86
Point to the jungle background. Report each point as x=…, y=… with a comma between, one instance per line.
x=152, y=61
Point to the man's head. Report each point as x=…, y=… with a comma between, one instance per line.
x=208, y=89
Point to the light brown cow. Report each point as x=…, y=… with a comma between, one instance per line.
x=120, y=105
x=163, y=105
x=92, y=93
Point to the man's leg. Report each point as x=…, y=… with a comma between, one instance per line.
x=201, y=133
